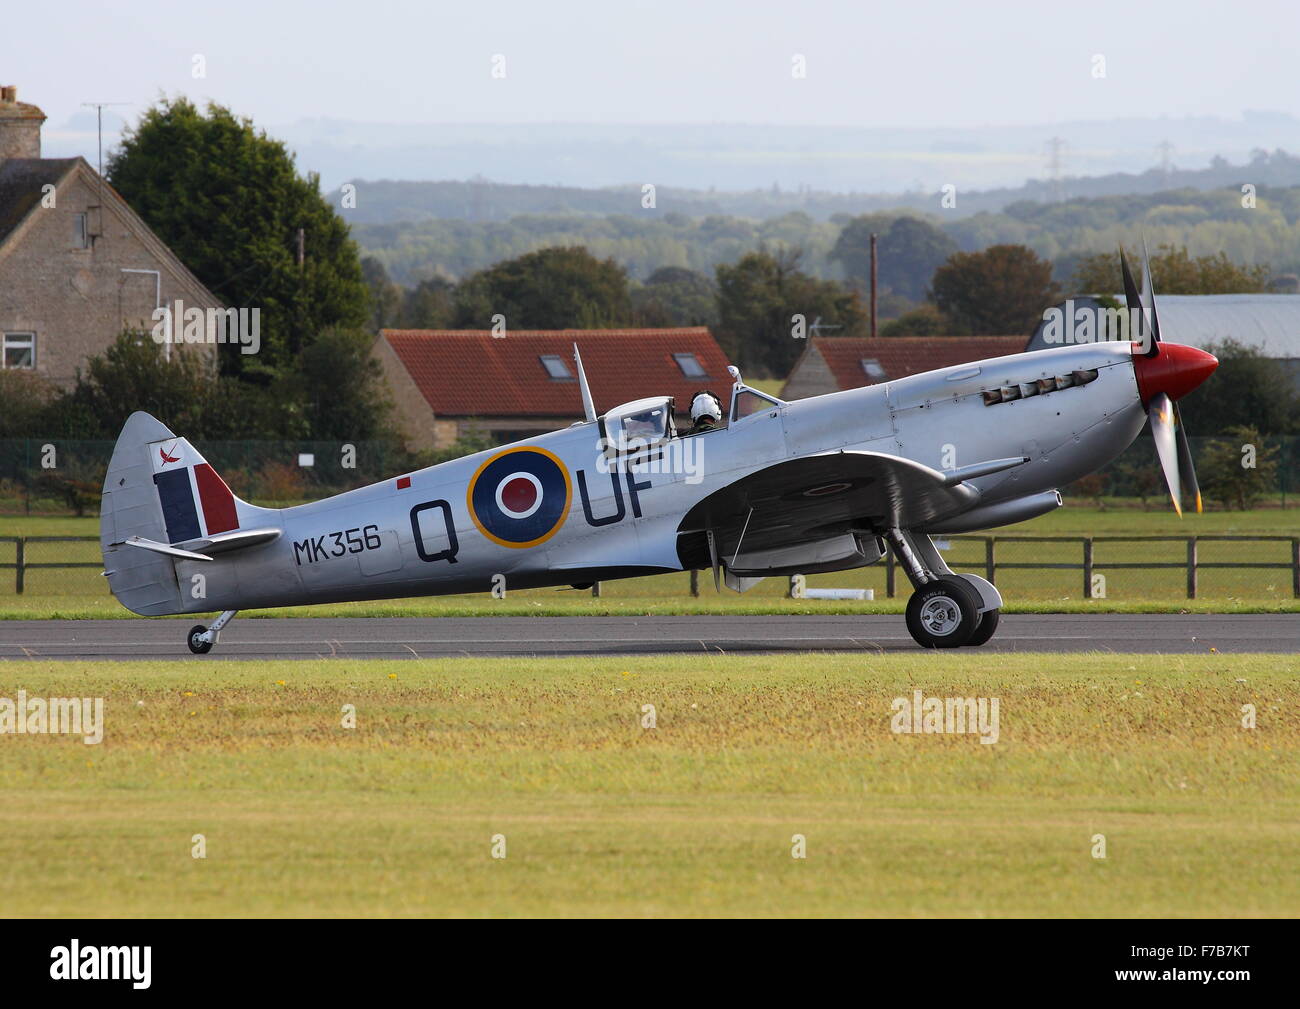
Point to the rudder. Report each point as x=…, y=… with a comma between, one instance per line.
x=159, y=488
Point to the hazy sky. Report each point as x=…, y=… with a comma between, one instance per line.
x=621, y=61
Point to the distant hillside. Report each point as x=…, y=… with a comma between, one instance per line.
x=389, y=202
x=1206, y=221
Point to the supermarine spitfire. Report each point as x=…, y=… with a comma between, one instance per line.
x=819, y=484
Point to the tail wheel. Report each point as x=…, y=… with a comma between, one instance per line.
x=987, y=626
x=944, y=613
x=198, y=645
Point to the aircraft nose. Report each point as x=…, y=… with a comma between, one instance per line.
x=1176, y=370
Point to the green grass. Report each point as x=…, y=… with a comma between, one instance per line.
x=694, y=817
x=82, y=593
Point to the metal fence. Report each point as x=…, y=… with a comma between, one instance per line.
x=1085, y=560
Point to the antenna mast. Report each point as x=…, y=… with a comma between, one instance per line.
x=99, y=122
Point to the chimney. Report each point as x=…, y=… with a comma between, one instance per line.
x=20, y=126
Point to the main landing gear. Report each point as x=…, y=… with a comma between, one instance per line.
x=946, y=610
x=201, y=639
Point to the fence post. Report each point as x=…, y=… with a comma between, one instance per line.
x=1087, y=567
x=595, y=590
x=990, y=565
x=889, y=574
x=20, y=556
x=1191, y=567
x=1295, y=568
x=695, y=583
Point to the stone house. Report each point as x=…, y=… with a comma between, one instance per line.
x=77, y=264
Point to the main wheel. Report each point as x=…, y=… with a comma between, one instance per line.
x=196, y=642
x=944, y=613
x=987, y=625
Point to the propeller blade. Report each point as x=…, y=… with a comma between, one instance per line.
x=1185, y=466
x=1133, y=301
x=1131, y=296
x=1149, y=300
x=1161, y=415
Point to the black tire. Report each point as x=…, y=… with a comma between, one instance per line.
x=198, y=646
x=987, y=626
x=944, y=613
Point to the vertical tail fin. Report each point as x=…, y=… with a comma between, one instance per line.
x=159, y=487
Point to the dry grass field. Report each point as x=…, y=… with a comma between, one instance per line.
x=600, y=815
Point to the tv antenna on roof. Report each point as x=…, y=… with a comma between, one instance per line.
x=99, y=120
x=818, y=326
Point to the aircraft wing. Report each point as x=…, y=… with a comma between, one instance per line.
x=817, y=497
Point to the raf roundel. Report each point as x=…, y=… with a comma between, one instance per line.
x=520, y=497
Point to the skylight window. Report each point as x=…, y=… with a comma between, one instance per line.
x=690, y=366
x=555, y=366
x=872, y=367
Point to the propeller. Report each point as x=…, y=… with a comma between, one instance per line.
x=1185, y=459
x=1164, y=372
x=1160, y=413
x=1148, y=328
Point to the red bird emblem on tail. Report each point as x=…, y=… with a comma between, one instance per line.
x=168, y=458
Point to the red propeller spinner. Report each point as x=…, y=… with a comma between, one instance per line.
x=1175, y=369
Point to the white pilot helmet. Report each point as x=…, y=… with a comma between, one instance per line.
x=705, y=404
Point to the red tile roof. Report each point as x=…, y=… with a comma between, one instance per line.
x=468, y=373
x=901, y=356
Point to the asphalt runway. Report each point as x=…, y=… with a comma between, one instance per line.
x=413, y=637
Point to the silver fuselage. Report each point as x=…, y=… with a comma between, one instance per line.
x=422, y=540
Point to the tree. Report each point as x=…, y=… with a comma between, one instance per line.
x=26, y=399
x=183, y=391
x=556, y=288
x=676, y=296
x=386, y=298
x=908, y=249
x=1226, y=471
x=430, y=305
x=1247, y=389
x=135, y=373
x=344, y=387
x=1173, y=271
x=1002, y=290
x=229, y=202
x=759, y=300
x=924, y=321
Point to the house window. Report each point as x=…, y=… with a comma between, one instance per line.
x=872, y=367
x=80, y=233
x=555, y=366
x=690, y=366
x=19, y=350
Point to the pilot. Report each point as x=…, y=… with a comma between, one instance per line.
x=706, y=411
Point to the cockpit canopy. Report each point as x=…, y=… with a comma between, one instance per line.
x=643, y=423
